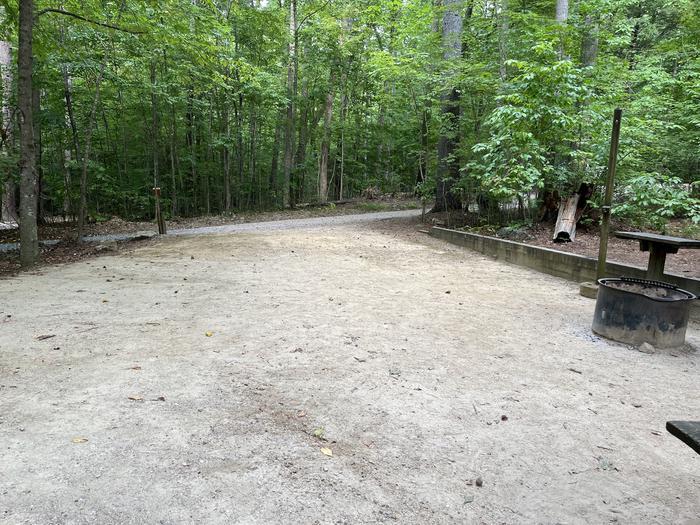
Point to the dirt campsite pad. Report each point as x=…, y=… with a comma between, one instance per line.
x=358, y=373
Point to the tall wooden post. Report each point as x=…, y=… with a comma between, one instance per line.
x=159, y=215
x=607, y=203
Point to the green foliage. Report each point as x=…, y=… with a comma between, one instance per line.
x=650, y=200
x=533, y=116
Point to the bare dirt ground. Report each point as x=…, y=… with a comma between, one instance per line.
x=201, y=379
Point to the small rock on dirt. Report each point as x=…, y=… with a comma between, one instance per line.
x=106, y=246
x=646, y=348
x=479, y=482
x=144, y=236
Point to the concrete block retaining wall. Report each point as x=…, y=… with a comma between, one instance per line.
x=560, y=264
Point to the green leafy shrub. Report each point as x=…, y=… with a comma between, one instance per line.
x=651, y=199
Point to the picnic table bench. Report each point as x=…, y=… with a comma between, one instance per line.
x=687, y=431
x=658, y=246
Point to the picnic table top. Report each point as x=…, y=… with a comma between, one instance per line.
x=659, y=239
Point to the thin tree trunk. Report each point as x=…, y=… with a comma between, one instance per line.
x=239, y=148
x=300, y=160
x=226, y=154
x=343, y=113
x=154, y=124
x=66, y=183
x=8, y=206
x=291, y=96
x=82, y=211
x=252, y=131
x=192, y=147
x=325, y=148
x=275, y=156
x=36, y=112
x=503, y=40
x=29, y=240
x=173, y=162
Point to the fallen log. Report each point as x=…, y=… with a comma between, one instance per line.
x=565, y=229
x=570, y=211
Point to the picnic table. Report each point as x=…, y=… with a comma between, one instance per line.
x=657, y=246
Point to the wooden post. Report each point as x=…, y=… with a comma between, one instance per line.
x=159, y=216
x=607, y=203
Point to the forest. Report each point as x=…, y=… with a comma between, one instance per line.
x=231, y=105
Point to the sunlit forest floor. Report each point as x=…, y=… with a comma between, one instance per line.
x=348, y=374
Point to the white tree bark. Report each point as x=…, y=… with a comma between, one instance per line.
x=8, y=208
x=562, y=11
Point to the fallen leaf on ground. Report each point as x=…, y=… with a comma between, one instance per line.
x=105, y=301
x=136, y=398
x=326, y=451
x=319, y=432
x=135, y=368
x=209, y=334
x=79, y=440
x=301, y=413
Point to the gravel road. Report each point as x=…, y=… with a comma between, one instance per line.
x=315, y=222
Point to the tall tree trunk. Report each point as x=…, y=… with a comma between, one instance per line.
x=562, y=16
x=325, y=148
x=173, y=162
x=343, y=113
x=226, y=153
x=154, y=124
x=504, y=27
x=300, y=160
x=29, y=240
x=562, y=11
x=240, y=154
x=589, y=42
x=448, y=167
x=252, y=132
x=36, y=113
x=275, y=156
x=82, y=211
x=8, y=206
x=191, y=144
x=66, y=183
x=291, y=96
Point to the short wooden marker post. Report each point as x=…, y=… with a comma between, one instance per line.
x=159, y=216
